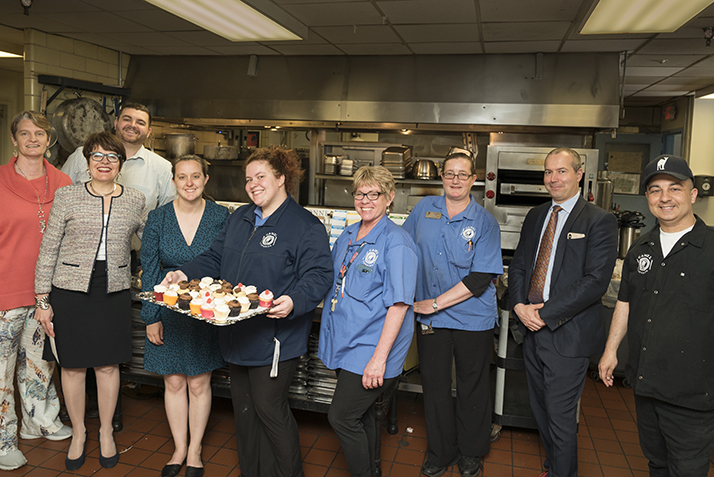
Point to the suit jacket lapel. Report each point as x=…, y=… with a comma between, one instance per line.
x=562, y=239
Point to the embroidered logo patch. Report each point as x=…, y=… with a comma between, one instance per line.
x=468, y=233
x=644, y=263
x=370, y=258
x=269, y=240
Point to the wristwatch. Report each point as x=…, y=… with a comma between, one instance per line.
x=42, y=302
x=434, y=305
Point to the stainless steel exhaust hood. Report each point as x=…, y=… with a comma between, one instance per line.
x=560, y=90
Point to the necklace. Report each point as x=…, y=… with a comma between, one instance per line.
x=104, y=195
x=40, y=203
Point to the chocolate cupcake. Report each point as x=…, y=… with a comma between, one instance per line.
x=194, y=282
x=183, y=285
x=227, y=284
x=254, y=300
x=234, y=307
x=184, y=301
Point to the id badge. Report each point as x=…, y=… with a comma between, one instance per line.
x=276, y=359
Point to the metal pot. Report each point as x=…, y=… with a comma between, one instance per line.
x=76, y=119
x=217, y=152
x=178, y=145
x=425, y=169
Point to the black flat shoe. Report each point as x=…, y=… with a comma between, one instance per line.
x=75, y=464
x=194, y=471
x=106, y=462
x=431, y=470
x=172, y=470
x=470, y=466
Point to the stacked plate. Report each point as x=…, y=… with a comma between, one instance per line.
x=332, y=164
x=347, y=166
x=398, y=160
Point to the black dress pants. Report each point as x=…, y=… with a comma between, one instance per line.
x=354, y=419
x=266, y=431
x=677, y=441
x=465, y=430
x=555, y=384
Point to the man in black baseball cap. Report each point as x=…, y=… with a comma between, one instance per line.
x=667, y=164
x=664, y=307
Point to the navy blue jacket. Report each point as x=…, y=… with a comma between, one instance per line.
x=289, y=255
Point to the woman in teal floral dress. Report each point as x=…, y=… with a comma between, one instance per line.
x=181, y=348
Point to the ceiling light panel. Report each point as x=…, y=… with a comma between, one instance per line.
x=641, y=16
x=231, y=19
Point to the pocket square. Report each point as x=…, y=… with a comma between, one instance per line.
x=575, y=235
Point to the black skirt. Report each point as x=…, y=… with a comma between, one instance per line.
x=91, y=329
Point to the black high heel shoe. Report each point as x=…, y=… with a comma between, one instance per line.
x=106, y=462
x=194, y=471
x=75, y=464
x=172, y=470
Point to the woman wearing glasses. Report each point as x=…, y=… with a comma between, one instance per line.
x=459, y=248
x=367, y=321
x=82, y=279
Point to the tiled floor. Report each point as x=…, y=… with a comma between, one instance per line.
x=607, y=441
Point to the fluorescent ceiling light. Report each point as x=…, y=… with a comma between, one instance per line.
x=642, y=16
x=231, y=19
x=7, y=54
x=709, y=96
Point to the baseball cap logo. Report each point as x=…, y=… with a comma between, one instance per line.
x=661, y=163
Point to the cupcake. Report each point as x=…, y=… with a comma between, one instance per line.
x=239, y=294
x=266, y=299
x=159, y=291
x=193, y=294
x=170, y=297
x=234, y=308
x=174, y=287
x=226, y=284
x=194, y=282
x=207, y=310
x=182, y=291
x=254, y=300
x=219, y=294
x=250, y=289
x=183, y=285
x=244, y=304
x=184, y=301
x=206, y=293
x=207, y=280
x=219, y=301
x=221, y=312
x=195, y=306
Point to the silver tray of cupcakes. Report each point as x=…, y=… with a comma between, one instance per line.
x=214, y=301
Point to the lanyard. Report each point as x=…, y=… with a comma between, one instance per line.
x=343, y=271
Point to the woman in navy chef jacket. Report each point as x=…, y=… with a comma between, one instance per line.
x=459, y=247
x=367, y=321
x=273, y=244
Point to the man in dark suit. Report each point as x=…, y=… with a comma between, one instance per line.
x=559, y=272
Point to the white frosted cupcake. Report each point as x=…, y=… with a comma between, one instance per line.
x=220, y=312
x=244, y=304
x=250, y=289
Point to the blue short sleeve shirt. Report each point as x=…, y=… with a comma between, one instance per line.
x=383, y=274
x=449, y=250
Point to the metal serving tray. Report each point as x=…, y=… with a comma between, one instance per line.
x=149, y=296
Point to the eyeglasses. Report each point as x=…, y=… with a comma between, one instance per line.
x=111, y=157
x=372, y=195
x=461, y=175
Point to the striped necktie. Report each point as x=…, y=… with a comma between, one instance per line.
x=535, y=292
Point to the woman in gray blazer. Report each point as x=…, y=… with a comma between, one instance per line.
x=82, y=282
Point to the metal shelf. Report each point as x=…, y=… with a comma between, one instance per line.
x=338, y=177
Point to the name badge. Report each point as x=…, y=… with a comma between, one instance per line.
x=364, y=268
x=433, y=215
x=575, y=235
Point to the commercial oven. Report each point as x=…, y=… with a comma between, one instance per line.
x=514, y=184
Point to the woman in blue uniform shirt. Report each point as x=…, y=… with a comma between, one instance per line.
x=367, y=321
x=273, y=244
x=459, y=248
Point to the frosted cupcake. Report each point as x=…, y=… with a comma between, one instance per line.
x=221, y=312
x=234, y=308
x=244, y=304
x=266, y=299
x=207, y=310
x=219, y=301
x=159, y=291
x=170, y=297
x=195, y=306
x=184, y=301
x=250, y=289
x=254, y=300
x=207, y=280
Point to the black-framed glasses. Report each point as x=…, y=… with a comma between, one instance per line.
x=371, y=195
x=111, y=157
x=450, y=175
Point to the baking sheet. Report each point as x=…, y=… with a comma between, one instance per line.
x=149, y=296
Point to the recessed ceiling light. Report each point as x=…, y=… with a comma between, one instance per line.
x=641, y=16
x=231, y=19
